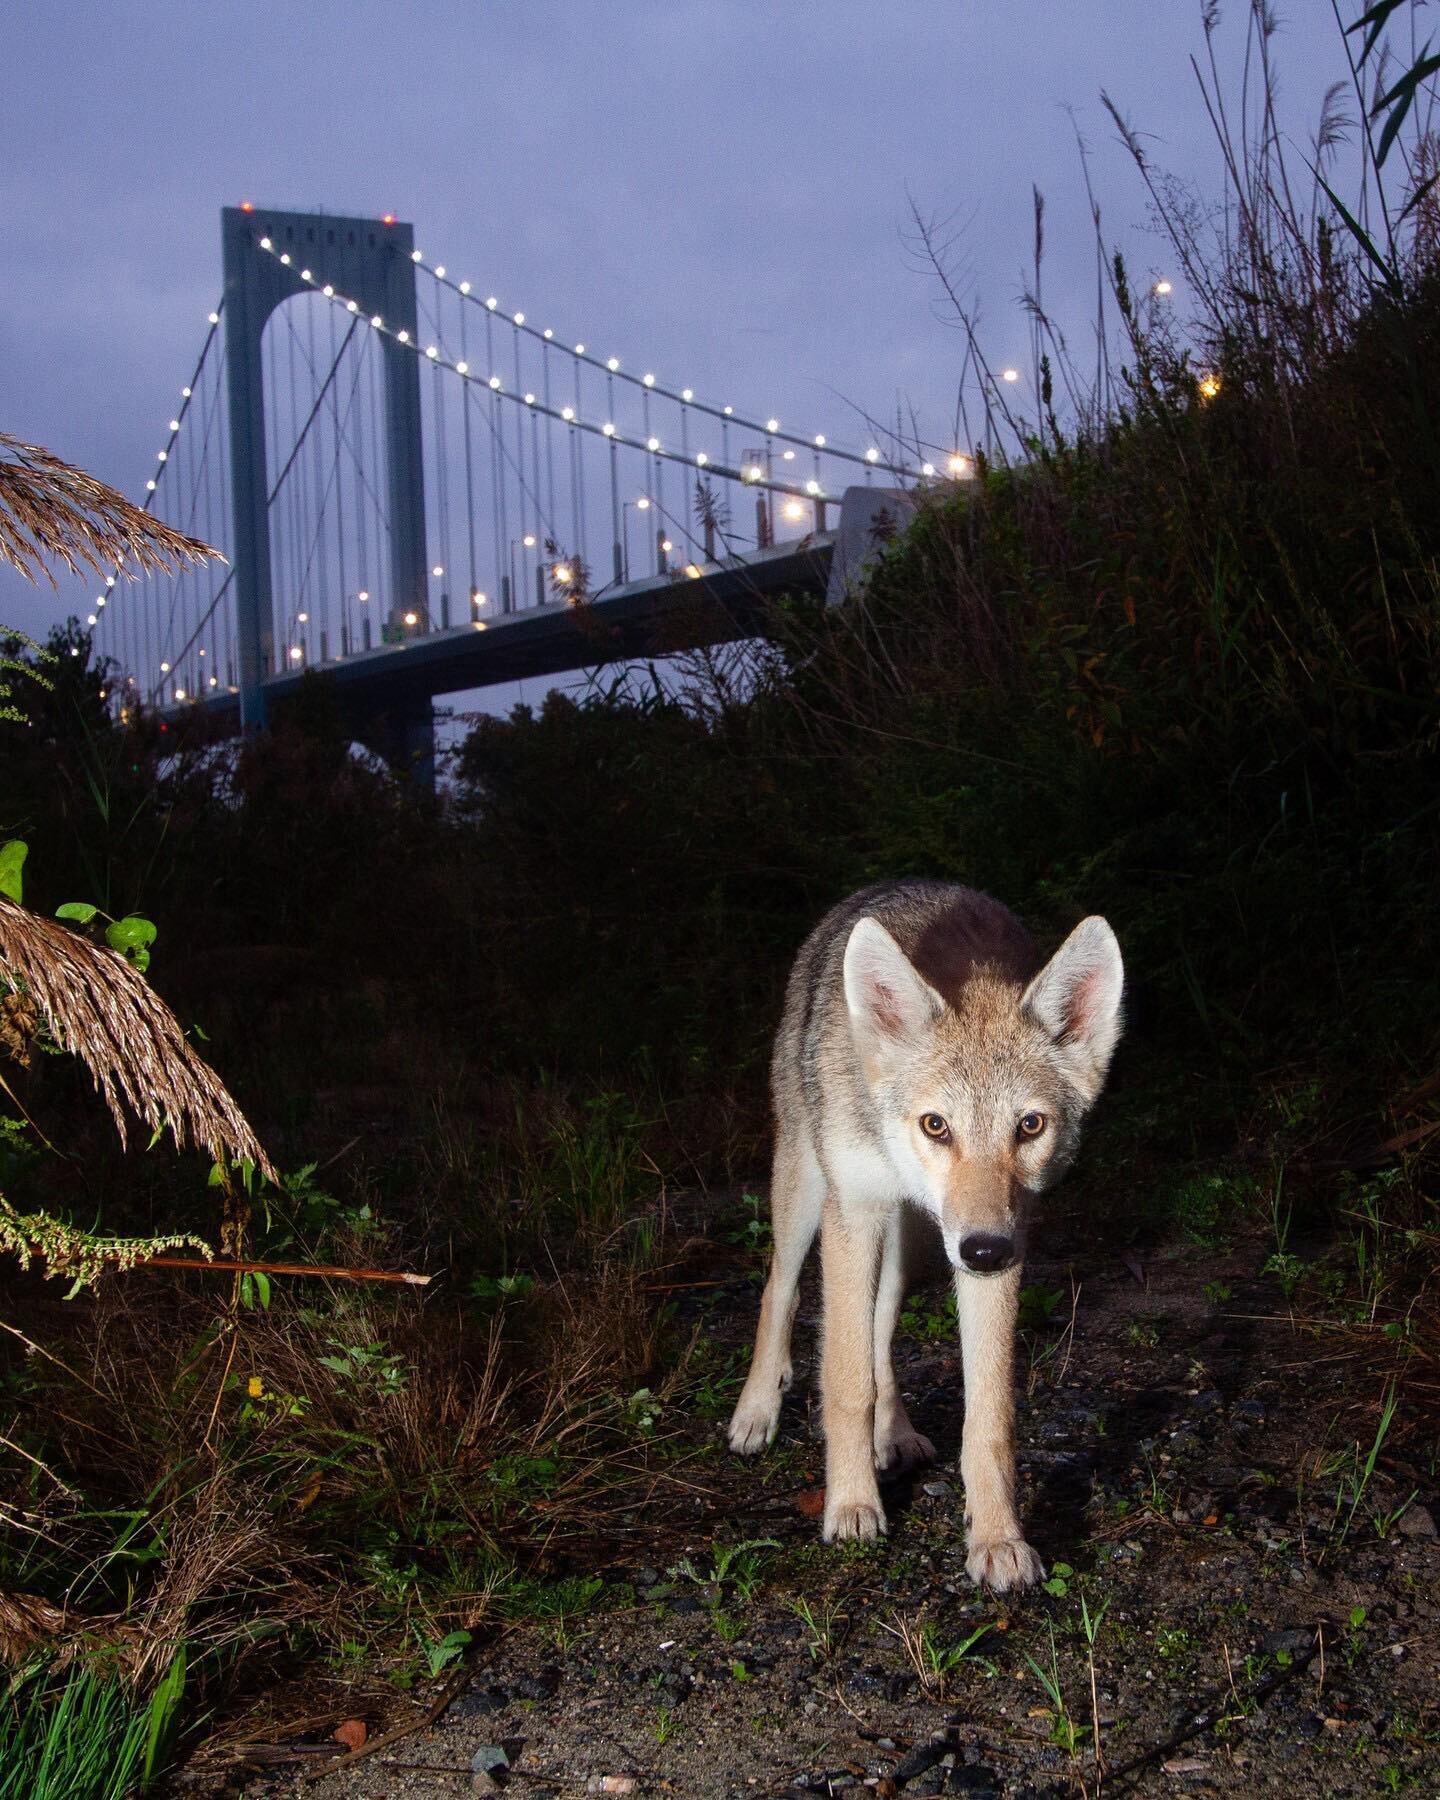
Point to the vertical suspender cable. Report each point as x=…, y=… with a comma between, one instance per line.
x=473, y=587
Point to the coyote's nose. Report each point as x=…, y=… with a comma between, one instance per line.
x=986, y=1252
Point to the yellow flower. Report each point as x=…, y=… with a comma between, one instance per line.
x=257, y=1387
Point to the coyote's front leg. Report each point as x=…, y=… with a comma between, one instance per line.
x=998, y=1555
x=849, y=1252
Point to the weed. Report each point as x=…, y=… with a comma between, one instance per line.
x=933, y=1660
x=821, y=1631
x=1065, y=1733
x=666, y=1725
x=925, y=1322
x=85, y=1734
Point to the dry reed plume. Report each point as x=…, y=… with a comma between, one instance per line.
x=51, y=512
x=95, y=1005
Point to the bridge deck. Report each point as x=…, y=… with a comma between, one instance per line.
x=653, y=617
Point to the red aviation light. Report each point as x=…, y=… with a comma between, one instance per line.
x=247, y=206
x=387, y=218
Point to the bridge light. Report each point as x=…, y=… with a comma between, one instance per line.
x=410, y=619
x=100, y=601
x=491, y=302
x=1163, y=287
x=1209, y=386
x=478, y=596
x=179, y=693
x=202, y=652
x=214, y=681
x=164, y=668
x=247, y=206
x=649, y=380
x=265, y=244
x=794, y=509
x=529, y=399
x=162, y=456
x=376, y=320
x=302, y=618
x=214, y=318
x=772, y=424
x=693, y=571
x=431, y=352
x=285, y=258
x=687, y=393
x=328, y=291
x=666, y=545
x=305, y=275
x=701, y=459
x=174, y=424
x=1009, y=374
x=958, y=466
x=479, y=624
x=819, y=440
x=727, y=410
x=564, y=574
x=652, y=443
x=927, y=468
x=613, y=364
x=547, y=334
x=813, y=488
x=608, y=429
x=579, y=349
x=567, y=412
x=402, y=337
x=109, y=581
x=495, y=383
x=462, y=368
x=387, y=218
x=438, y=570
x=296, y=653
x=528, y=540
x=787, y=456
x=150, y=486
x=519, y=318
x=352, y=306
x=464, y=287
x=184, y=393
x=439, y=271
x=415, y=256
x=90, y=619
x=643, y=503
x=752, y=472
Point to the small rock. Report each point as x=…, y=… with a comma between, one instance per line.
x=487, y=1759
x=1417, y=1521
x=647, y=1577
x=940, y=1490
x=611, y=1784
x=1186, y=1765
x=1292, y=1641
x=479, y=1703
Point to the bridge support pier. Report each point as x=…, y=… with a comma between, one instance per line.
x=404, y=734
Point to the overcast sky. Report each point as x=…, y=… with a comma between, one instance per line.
x=717, y=189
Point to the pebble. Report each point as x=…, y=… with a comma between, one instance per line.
x=487, y=1759
x=1291, y=1640
x=940, y=1490
x=1417, y=1521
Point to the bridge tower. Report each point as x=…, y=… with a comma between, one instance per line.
x=370, y=260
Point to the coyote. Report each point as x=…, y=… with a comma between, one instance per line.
x=926, y=1066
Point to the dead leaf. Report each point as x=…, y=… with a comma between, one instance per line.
x=810, y=1502
x=352, y=1734
x=1212, y=1518
x=1186, y=1765
x=309, y=1490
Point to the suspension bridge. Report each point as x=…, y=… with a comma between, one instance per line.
x=420, y=491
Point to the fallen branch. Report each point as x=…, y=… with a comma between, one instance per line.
x=321, y=1271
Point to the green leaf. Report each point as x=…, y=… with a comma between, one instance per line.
x=80, y=911
x=1375, y=17
x=12, y=861
x=130, y=933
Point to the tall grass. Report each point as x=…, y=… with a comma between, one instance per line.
x=82, y=1733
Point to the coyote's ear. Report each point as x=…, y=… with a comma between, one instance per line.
x=1075, y=999
x=886, y=995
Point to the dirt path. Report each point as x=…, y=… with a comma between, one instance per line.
x=1257, y=1631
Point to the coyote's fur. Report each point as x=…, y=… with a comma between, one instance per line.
x=927, y=1067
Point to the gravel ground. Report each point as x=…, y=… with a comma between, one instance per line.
x=1178, y=1445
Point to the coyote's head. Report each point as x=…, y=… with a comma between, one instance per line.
x=981, y=1095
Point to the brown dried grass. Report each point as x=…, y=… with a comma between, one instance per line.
x=95, y=1005
x=53, y=513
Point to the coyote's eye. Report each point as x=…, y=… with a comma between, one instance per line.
x=935, y=1127
x=1031, y=1124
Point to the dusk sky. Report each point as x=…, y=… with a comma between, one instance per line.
x=717, y=190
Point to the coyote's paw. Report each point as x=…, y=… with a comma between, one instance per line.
x=900, y=1447
x=1004, y=1564
x=853, y=1519
x=754, y=1425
